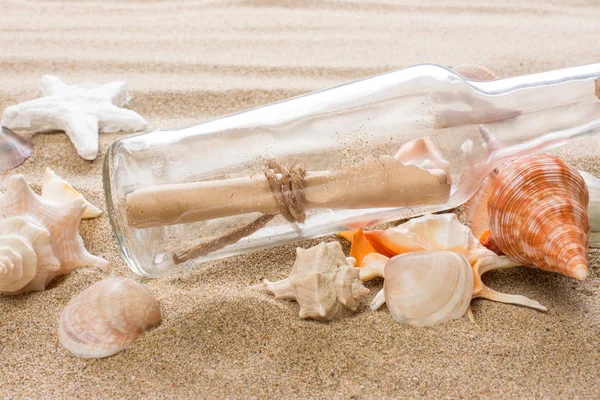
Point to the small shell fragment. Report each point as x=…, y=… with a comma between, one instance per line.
x=14, y=150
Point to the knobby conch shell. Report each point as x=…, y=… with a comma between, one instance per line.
x=537, y=215
x=39, y=239
x=426, y=288
x=57, y=189
x=107, y=317
x=434, y=232
x=322, y=280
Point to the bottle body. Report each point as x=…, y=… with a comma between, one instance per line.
x=470, y=127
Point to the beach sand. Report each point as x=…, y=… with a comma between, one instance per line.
x=188, y=61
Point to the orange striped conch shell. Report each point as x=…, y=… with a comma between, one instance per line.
x=537, y=215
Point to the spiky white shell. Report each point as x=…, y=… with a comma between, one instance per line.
x=322, y=280
x=107, y=318
x=57, y=189
x=40, y=221
x=427, y=288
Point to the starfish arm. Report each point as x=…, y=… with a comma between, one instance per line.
x=82, y=129
x=52, y=85
x=115, y=119
x=115, y=92
x=38, y=115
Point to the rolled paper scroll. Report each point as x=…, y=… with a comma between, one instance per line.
x=381, y=183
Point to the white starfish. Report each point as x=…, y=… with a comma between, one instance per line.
x=78, y=110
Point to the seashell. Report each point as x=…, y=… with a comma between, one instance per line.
x=433, y=232
x=426, y=288
x=475, y=72
x=107, y=318
x=537, y=215
x=322, y=280
x=39, y=239
x=14, y=150
x=593, y=185
x=57, y=189
x=423, y=153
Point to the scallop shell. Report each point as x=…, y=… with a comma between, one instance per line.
x=426, y=288
x=57, y=189
x=322, y=280
x=537, y=214
x=39, y=239
x=14, y=150
x=107, y=318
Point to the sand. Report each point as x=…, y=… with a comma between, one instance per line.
x=189, y=61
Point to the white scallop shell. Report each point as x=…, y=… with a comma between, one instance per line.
x=57, y=189
x=426, y=288
x=107, y=318
x=48, y=229
x=322, y=280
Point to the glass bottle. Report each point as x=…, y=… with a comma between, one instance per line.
x=172, y=192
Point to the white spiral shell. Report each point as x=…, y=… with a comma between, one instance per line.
x=39, y=239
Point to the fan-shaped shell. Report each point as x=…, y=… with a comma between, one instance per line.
x=427, y=288
x=14, y=150
x=537, y=214
x=41, y=221
x=107, y=318
x=322, y=280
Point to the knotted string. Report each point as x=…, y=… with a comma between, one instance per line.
x=287, y=187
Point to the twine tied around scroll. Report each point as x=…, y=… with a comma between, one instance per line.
x=287, y=187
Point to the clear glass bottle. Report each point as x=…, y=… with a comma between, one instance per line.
x=169, y=190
